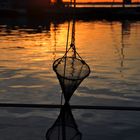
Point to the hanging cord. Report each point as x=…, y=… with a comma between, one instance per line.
x=73, y=31
x=62, y=120
x=73, y=39
x=67, y=37
x=67, y=42
x=72, y=45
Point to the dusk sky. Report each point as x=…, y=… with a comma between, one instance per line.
x=102, y=0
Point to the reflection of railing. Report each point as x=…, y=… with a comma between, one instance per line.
x=126, y=108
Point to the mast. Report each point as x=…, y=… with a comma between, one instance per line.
x=124, y=3
x=74, y=3
x=59, y=3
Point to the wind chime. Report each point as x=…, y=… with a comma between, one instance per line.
x=71, y=70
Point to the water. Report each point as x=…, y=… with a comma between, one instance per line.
x=29, y=47
x=112, y=52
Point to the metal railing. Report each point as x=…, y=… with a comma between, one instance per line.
x=123, y=108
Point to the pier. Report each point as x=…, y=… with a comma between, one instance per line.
x=99, y=10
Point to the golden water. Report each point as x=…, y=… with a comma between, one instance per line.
x=112, y=50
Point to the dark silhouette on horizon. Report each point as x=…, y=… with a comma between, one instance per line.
x=60, y=9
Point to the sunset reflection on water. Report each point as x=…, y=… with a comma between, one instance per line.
x=110, y=48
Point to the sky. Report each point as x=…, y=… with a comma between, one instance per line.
x=102, y=0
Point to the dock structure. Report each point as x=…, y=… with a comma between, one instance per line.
x=125, y=10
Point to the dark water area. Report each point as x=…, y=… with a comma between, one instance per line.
x=29, y=46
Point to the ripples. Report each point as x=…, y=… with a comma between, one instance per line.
x=110, y=48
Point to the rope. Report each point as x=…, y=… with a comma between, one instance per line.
x=73, y=38
x=67, y=42
x=63, y=117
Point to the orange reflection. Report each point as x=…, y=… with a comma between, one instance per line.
x=110, y=48
x=100, y=43
x=103, y=0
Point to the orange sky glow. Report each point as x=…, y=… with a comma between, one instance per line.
x=102, y=0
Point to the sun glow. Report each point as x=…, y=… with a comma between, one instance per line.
x=102, y=0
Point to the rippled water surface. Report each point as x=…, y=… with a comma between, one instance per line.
x=28, y=50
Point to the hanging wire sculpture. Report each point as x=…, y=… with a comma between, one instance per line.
x=71, y=70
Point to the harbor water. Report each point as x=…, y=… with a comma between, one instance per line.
x=28, y=48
